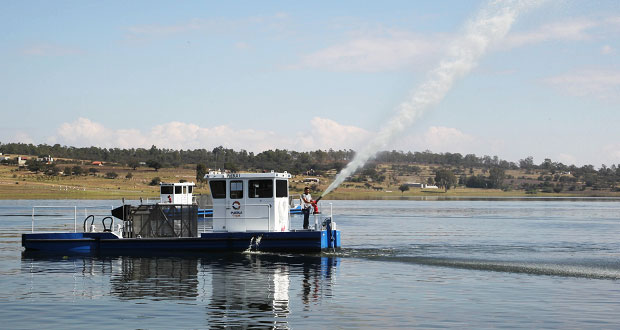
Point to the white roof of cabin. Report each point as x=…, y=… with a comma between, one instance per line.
x=177, y=184
x=218, y=175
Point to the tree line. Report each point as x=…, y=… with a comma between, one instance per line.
x=319, y=161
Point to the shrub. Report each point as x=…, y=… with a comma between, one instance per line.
x=156, y=180
x=111, y=175
x=547, y=189
x=77, y=170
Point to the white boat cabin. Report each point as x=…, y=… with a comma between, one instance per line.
x=176, y=193
x=245, y=202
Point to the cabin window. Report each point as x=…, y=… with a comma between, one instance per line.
x=218, y=189
x=236, y=189
x=190, y=189
x=260, y=188
x=178, y=190
x=281, y=188
x=167, y=190
x=184, y=190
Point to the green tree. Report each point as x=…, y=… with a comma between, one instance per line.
x=34, y=166
x=111, y=175
x=526, y=163
x=77, y=170
x=231, y=167
x=476, y=181
x=154, y=164
x=155, y=181
x=403, y=187
x=445, y=179
x=133, y=163
x=51, y=169
x=201, y=171
x=496, y=177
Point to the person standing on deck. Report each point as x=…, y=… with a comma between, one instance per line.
x=306, y=200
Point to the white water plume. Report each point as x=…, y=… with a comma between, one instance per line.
x=490, y=25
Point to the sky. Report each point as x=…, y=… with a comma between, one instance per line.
x=260, y=75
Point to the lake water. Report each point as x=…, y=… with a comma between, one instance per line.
x=406, y=264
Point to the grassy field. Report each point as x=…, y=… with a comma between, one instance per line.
x=21, y=184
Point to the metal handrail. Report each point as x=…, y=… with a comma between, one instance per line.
x=60, y=218
x=52, y=217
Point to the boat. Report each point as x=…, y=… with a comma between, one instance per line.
x=250, y=212
x=181, y=193
x=178, y=193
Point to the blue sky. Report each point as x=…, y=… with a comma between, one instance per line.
x=305, y=76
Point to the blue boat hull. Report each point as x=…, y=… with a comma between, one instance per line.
x=295, y=241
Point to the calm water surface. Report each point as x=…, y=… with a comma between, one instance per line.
x=416, y=264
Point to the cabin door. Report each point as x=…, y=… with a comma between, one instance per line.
x=235, y=207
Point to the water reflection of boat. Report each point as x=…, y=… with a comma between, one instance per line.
x=250, y=211
x=239, y=290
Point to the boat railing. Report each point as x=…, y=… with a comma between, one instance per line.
x=155, y=200
x=317, y=216
x=267, y=218
x=152, y=200
x=55, y=213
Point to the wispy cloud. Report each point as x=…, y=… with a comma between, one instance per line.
x=446, y=138
x=159, y=30
x=372, y=53
x=603, y=84
x=326, y=133
x=211, y=25
x=439, y=139
x=83, y=130
x=48, y=49
x=570, y=30
x=321, y=133
x=607, y=50
x=384, y=49
x=242, y=45
x=578, y=29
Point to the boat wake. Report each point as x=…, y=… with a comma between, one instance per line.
x=580, y=268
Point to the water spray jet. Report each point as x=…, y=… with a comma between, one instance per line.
x=490, y=25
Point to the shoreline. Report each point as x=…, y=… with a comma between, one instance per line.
x=135, y=184
x=471, y=196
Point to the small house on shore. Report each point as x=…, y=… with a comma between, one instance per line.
x=421, y=185
x=47, y=159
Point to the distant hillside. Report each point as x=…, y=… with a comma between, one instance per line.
x=390, y=172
